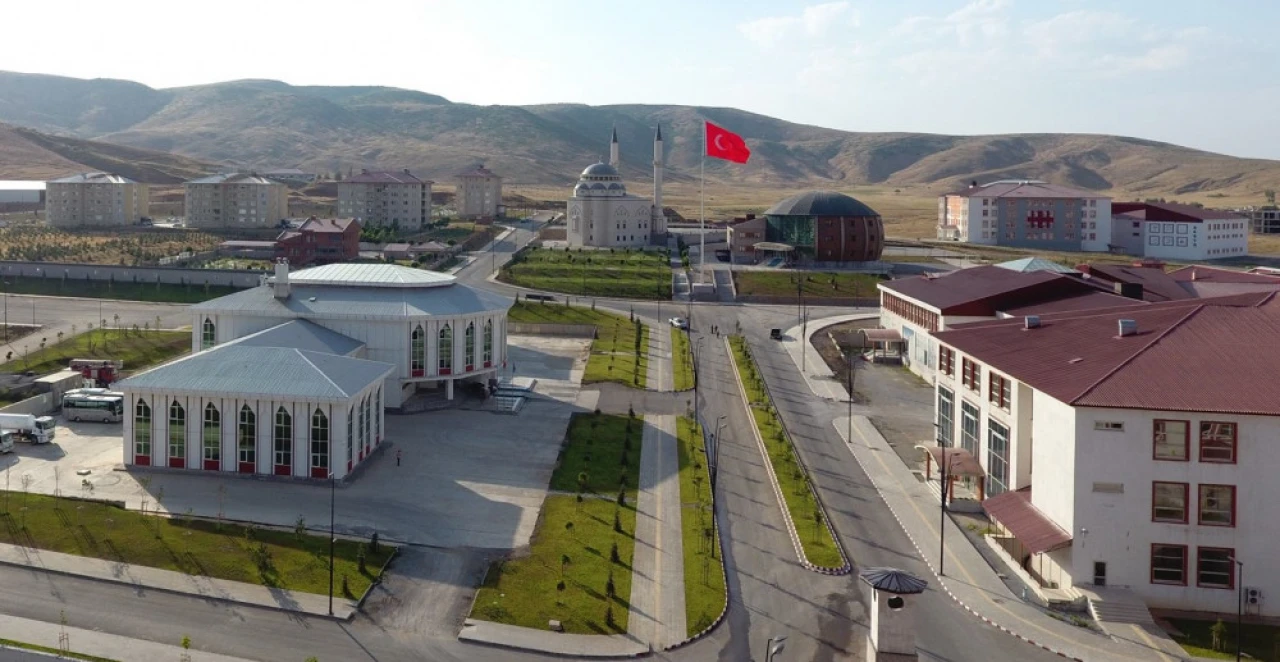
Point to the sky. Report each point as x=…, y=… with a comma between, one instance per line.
x=1200, y=73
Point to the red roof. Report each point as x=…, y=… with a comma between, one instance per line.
x=1202, y=355
x=1156, y=284
x=984, y=291
x=1220, y=275
x=1170, y=212
x=1024, y=189
x=1083, y=301
x=338, y=225
x=1032, y=528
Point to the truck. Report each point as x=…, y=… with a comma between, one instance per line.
x=36, y=429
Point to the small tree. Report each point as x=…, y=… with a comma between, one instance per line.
x=622, y=497
x=610, y=589
x=300, y=527
x=613, y=553
x=1218, y=631
x=617, y=522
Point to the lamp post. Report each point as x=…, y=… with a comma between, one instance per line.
x=697, y=349
x=944, y=463
x=849, y=437
x=332, y=535
x=714, y=460
x=775, y=646
x=1239, y=607
x=804, y=342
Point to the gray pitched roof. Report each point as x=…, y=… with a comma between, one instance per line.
x=350, y=302
x=304, y=335
x=94, y=178
x=366, y=274
x=243, y=371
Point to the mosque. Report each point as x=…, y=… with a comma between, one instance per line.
x=602, y=214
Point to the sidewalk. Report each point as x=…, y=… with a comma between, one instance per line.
x=554, y=643
x=657, y=579
x=659, y=376
x=174, y=582
x=101, y=644
x=815, y=372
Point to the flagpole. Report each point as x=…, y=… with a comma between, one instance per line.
x=702, y=207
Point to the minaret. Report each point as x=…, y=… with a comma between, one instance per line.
x=658, y=223
x=613, y=149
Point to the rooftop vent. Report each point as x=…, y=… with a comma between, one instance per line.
x=1128, y=328
x=282, y=279
x=1031, y=322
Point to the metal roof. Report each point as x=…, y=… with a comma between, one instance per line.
x=1025, y=189
x=1027, y=264
x=94, y=178
x=350, y=302
x=893, y=580
x=985, y=290
x=235, y=178
x=1156, y=284
x=370, y=274
x=1171, y=212
x=820, y=203
x=21, y=185
x=243, y=371
x=1032, y=528
x=600, y=170
x=304, y=335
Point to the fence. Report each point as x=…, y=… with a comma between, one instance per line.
x=563, y=330
x=37, y=405
x=122, y=274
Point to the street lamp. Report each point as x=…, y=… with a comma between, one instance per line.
x=714, y=460
x=804, y=342
x=332, y=535
x=1239, y=607
x=944, y=463
x=697, y=349
x=775, y=646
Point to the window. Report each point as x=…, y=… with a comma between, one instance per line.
x=1218, y=505
x=999, y=391
x=971, y=375
x=1169, y=564
x=947, y=361
x=969, y=427
x=142, y=429
x=946, y=417
x=212, y=437
x=1217, y=442
x=1109, y=426
x=1215, y=567
x=319, y=444
x=488, y=343
x=469, y=345
x=282, y=444
x=351, y=437
x=1169, y=502
x=418, y=355
x=444, y=350
x=997, y=458
x=177, y=431
x=1170, y=440
x=377, y=416
x=207, y=334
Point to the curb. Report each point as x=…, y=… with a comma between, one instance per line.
x=777, y=489
x=382, y=572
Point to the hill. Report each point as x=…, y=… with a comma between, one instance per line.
x=30, y=154
x=259, y=123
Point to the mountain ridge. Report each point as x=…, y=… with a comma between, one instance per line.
x=258, y=123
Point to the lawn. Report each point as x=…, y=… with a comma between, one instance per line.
x=542, y=586
x=137, y=349
x=681, y=360
x=1261, y=642
x=613, y=353
x=595, y=445
x=69, y=655
x=816, y=284
x=630, y=274
x=274, y=558
x=704, y=592
x=819, y=547
x=105, y=289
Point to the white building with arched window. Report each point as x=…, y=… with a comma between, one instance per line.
x=292, y=377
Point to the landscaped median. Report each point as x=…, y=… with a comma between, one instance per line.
x=681, y=360
x=617, y=273
x=620, y=351
x=578, y=567
x=804, y=514
x=704, y=587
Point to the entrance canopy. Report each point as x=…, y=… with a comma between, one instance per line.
x=882, y=335
x=773, y=246
x=960, y=462
x=1032, y=528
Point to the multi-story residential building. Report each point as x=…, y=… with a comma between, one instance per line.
x=1026, y=214
x=382, y=198
x=95, y=199
x=479, y=193
x=1178, y=232
x=1263, y=220
x=1129, y=446
x=320, y=241
x=236, y=200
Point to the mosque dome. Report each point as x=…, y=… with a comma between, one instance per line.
x=601, y=170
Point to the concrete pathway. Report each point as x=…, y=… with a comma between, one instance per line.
x=816, y=373
x=143, y=577
x=101, y=644
x=555, y=643
x=657, y=583
x=659, y=376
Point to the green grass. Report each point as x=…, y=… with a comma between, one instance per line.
x=819, y=547
x=68, y=655
x=681, y=360
x=140, y=350
x=103, y=531
x=595, y=444
x=1261, y=642
x=816, y=284
x=526, y=591
x=613, y=353
x=704, y=592
x=625, y=274
x=130, y=291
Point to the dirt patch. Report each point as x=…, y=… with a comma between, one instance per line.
x=835, y=343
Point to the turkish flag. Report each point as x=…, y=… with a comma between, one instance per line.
x=727, y=145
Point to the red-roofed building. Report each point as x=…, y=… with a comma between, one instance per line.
x=1205, y=281
x=1147, y=434
x=320, y=241
x=1178, y=232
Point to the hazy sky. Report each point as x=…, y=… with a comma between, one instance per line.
x=1202, y=73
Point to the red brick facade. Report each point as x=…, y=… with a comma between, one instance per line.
x=320, y=241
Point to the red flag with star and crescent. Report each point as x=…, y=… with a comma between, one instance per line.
x=725, y=144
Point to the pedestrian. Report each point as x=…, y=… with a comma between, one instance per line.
x=397, y=457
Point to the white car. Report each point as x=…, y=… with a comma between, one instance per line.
x=679, y=322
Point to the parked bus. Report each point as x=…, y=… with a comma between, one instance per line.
x=102, y=408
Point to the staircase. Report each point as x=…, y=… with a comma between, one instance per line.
x=1125, y=617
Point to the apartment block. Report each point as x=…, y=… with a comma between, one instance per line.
x=383, y=198
x=479, y=193
x=236, y=200
x=95, y=199
x=1026, y=214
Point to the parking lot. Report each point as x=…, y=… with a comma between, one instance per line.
x=467, y=478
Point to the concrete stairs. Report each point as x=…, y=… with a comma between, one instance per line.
x=1125, y=617
x=962, y=501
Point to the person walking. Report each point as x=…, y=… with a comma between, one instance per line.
x=397, y=457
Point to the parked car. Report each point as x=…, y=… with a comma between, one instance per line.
x=775, y=334
x=679, y=322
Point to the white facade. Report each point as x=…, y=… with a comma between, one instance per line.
x=1206, y=240
x=601, y=213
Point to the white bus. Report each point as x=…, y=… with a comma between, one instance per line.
x=102, y=408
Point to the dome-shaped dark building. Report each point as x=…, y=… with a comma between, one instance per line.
x=829, y=226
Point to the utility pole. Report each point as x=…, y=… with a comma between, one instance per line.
x=332, y=534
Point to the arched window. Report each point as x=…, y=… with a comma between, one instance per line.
x=207, y=334
x=212, y=437
x=142, y=432
x=282, y=444
x=418, y=355
x=319, y=444
x=444, y=350
x=470, y=346
x=177, y=435
x=368, y=422
x=247, y=440
x=488, y=343
x=351, y=435
x=377, y=416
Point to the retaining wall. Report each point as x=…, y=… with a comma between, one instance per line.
x=564, y=330
x=37, y=405
x=121, y=274
x=808, y=301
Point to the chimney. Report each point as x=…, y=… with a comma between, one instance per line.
x=282, y=279
x=1128, y=328
x=1129, y=290
x=1031, y=322
x=1195, y=275
x=973, y=183
x=406, y=171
